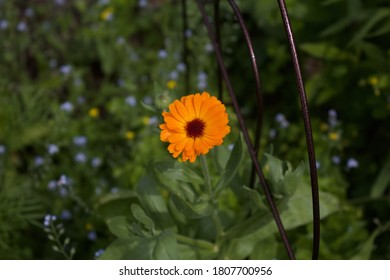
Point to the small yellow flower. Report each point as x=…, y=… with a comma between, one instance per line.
x=334, y=136
x=194, y=124
x=373, y=80
x=94, y=112
x=107, y=14
x=88, y=226
x=171, y=84
x=145, y=120
x=130, y=135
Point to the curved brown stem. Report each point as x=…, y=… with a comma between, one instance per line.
x=259, y=95
x=308, y=131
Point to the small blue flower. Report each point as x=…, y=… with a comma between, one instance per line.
x=29, y=12
x=99, y=252
x=131, y=100
x=52, y=149
x=332, y=117
x=148, y=100
x=52, y=185
x=181, y=67
x=352, y=163
x=96, y=162
x=162, y=54
x=3, y=24
x=59, y=2
x=80, y=140
x=22, y=26
x=67, y=106
x=65, y=69
x=92, y=235
x=48, y=219
x=281, y=119
x=202, y=76
x=39, y=161
x=188, y=33
x=173, y=75
x=66, y=215
x=272, y=133
x=153, y=120
x=336, y=160
x=318, y=164
x=80, y=157
x=2, y=149
x=114, y=190
x=142, y=3
x=63, y=181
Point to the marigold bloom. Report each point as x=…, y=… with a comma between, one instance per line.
x=194, y=125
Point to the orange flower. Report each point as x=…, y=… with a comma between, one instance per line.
x=194, y=125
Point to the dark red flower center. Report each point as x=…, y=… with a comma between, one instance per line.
x=195, y=128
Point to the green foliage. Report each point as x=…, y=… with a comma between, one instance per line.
x=82, y=88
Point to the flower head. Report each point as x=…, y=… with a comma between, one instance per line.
x=194, y=125
x=94, y=112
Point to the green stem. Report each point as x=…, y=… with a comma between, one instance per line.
x=194, y=242
x=215, y=216
x=206, y=175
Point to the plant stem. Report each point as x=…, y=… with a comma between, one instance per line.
x=194, y=242
x=209, y=190
x=206, y=175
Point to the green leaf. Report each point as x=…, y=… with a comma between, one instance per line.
x=192, y=211
x=115, y=204
x=153, y=203
x=368, y=246
x=166, y=247
x=297, y=212
x=181, y=172
x=119, y=226
x=325, y=51
x=382, y=181
x=265, y=249
x=255, y=197
x=232, y=165
x=130, y=249
x=283, y=181
x=369, y=25
x=141, y=216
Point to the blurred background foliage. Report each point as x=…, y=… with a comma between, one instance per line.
x=83, y=84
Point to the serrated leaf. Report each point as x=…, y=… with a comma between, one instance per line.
x=192, y=211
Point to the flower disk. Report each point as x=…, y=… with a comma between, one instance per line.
x=194, y=125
